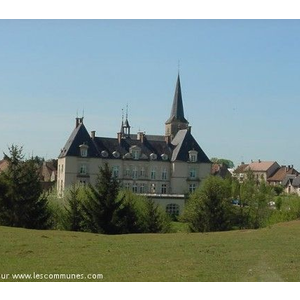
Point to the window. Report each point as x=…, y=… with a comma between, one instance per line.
x=153, y=188
x=192, y=187
x=116, y=154
x=142, y=188
x=172, y=209
x=153, y=174
x=164, y=157
x=104, y=153
x=193, y=155
x=143, y=172
x=135, y=152
x=115, y=171
x=83, y=150
x=192, y=173
x=153, y=156
x=127, y=186
x=163, y=188
x=127, y=171
x=83, y=169
x=164, y=174
x=82, y=182
x=134, y=173
x=135, y=188
x=60, y=188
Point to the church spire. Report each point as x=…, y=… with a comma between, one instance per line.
x=177, y=120
x=177, y=112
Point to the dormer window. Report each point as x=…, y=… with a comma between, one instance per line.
x=164, y=157
x=116, y=154
x=153, y=156
x=135, y=152
x=104, y=153
x=83, y=150
x=193, y=156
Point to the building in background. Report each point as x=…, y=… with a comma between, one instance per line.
x=164, y=167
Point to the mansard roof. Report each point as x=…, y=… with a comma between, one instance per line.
x=177, y=150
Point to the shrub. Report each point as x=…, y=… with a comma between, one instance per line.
x=208, y=209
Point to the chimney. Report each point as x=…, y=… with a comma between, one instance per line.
x=93, y=134
x=141, y=136
x=259, y=161
x=190, y=129
x=119, y=135
x=77, y=122
x=167, y=139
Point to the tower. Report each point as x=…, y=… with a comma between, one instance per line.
x=125, y=127
x=177, y=120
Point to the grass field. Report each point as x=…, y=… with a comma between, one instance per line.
x=269, y=254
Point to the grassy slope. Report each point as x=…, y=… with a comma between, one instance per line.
x=270, y=254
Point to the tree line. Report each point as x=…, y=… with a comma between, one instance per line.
x=104, y=208
x=226, y=204
x=217, y=205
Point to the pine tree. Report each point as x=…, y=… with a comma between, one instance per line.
x=102, y=203
x=155, y=219
x=74, y=214
x=23, y=203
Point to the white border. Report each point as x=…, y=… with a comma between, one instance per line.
x=146, y=9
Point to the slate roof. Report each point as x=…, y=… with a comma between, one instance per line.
x=176, y=150
x=177, y=112
x=184, y=142
x=78, y=137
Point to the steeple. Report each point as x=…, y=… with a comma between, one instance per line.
x=177, y=112
x=125, y=127
x=177, y=120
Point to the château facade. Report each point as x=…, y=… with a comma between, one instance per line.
x=164, y=167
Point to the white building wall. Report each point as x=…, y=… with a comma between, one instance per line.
x=177, y=180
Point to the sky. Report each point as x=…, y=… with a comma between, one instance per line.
x=239, y=79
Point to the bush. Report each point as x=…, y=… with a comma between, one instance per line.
x=287, y=209
x=208, y=209
x=149, y=216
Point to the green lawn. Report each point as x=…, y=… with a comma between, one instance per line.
x=269, y=254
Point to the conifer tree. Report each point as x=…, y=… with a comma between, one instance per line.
x=102, y=204
x=23, y=203
x=74, y=213
x=155, y=219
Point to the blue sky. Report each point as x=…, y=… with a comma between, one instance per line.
x=239, y=78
